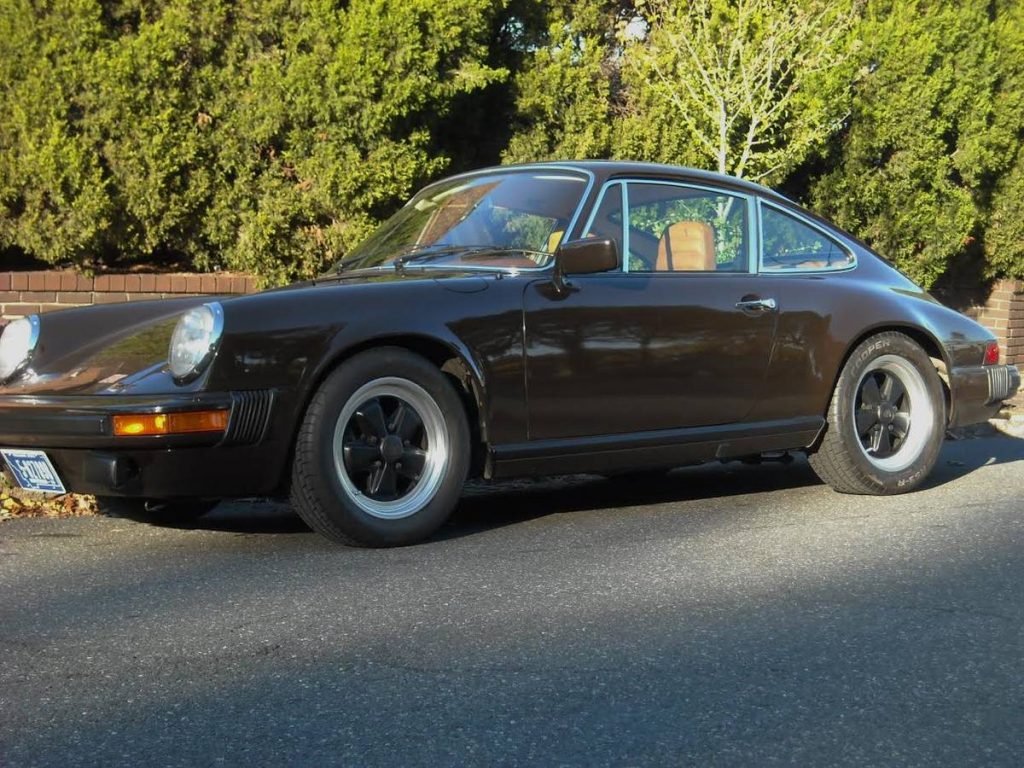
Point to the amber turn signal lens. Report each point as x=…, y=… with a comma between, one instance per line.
x=992, y=353
x=141, y=424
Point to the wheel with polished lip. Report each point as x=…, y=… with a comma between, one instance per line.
x=383, y=451
x=886, y=420
x=159, y=512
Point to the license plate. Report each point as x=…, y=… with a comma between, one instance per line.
x=32, y=470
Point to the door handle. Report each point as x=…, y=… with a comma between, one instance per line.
x=757, y=306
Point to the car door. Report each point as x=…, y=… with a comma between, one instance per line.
x=679, y=337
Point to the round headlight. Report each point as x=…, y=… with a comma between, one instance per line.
x=194, y=341
x=16, y=345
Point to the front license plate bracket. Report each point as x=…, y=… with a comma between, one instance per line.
x=32, y=470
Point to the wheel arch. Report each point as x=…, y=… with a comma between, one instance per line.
x=923, y=337
x=456, y=363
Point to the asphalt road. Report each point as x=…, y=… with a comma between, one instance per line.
x=725, y=615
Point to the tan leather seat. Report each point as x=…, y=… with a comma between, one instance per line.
x=686, y=246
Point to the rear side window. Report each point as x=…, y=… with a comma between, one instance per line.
x=790, y=245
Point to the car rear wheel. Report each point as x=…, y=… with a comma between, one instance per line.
x=176, y=512
x=886, y=420
x=383, y=451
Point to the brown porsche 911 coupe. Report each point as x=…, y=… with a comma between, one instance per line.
x=521, y=320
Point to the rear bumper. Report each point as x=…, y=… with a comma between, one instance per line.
x=979, y=391
x=77, y=434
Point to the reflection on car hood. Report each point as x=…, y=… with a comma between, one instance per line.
x=122, y=348
x=98, y=349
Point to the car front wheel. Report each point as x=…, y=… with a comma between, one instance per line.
x=383, y=451
x=886, y=420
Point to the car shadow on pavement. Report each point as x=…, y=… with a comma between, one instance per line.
x=488, y=506
x=253, y=516
x=484, y=507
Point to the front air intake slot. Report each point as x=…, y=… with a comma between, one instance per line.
x=250, y=416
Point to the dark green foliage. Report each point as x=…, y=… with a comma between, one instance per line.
x=269, y=136
x=911, y=164
x=264, y=136
x=1004, y=234
x=54, y=197
x=565, y=87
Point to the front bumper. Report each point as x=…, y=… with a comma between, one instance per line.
x=979, y=391
x=77, y=434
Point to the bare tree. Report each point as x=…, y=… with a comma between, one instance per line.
x=754, y=85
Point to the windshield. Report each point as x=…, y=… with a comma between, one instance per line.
x=510, y=219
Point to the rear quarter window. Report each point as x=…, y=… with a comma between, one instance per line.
x=789, y=244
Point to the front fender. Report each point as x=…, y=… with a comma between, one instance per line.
x=290, y=340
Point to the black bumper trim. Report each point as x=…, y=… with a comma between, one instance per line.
x=199, y=472
x=977, y=392
x=74, y=421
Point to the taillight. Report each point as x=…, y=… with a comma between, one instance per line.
x=992, y=353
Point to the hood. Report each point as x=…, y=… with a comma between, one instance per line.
x=91, y=350
x=122, y=348
x=455, y=280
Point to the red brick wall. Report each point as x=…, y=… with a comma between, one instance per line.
x=24, y=293
x=1003, y=314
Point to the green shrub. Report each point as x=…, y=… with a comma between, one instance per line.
x=264, y=136
x=269, y=136
x=906, y=170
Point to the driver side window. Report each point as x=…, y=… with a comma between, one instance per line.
x=674, y=228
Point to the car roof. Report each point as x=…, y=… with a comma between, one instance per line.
x=604, y=170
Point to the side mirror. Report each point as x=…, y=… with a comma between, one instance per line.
x=585, y=257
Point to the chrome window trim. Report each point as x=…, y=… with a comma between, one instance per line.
x=753, y=236
x=624, y=186
x=761, y=202
x=589, y=180
x=747, y=199
x=597, y=205
x=598, y=202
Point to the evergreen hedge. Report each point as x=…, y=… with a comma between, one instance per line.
x=269, y=136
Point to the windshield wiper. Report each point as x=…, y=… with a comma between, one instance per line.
x=419, y=253
x=466, y=253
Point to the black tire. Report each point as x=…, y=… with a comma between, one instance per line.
x=331, y=495
x=168, y=513
x=860, y=451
